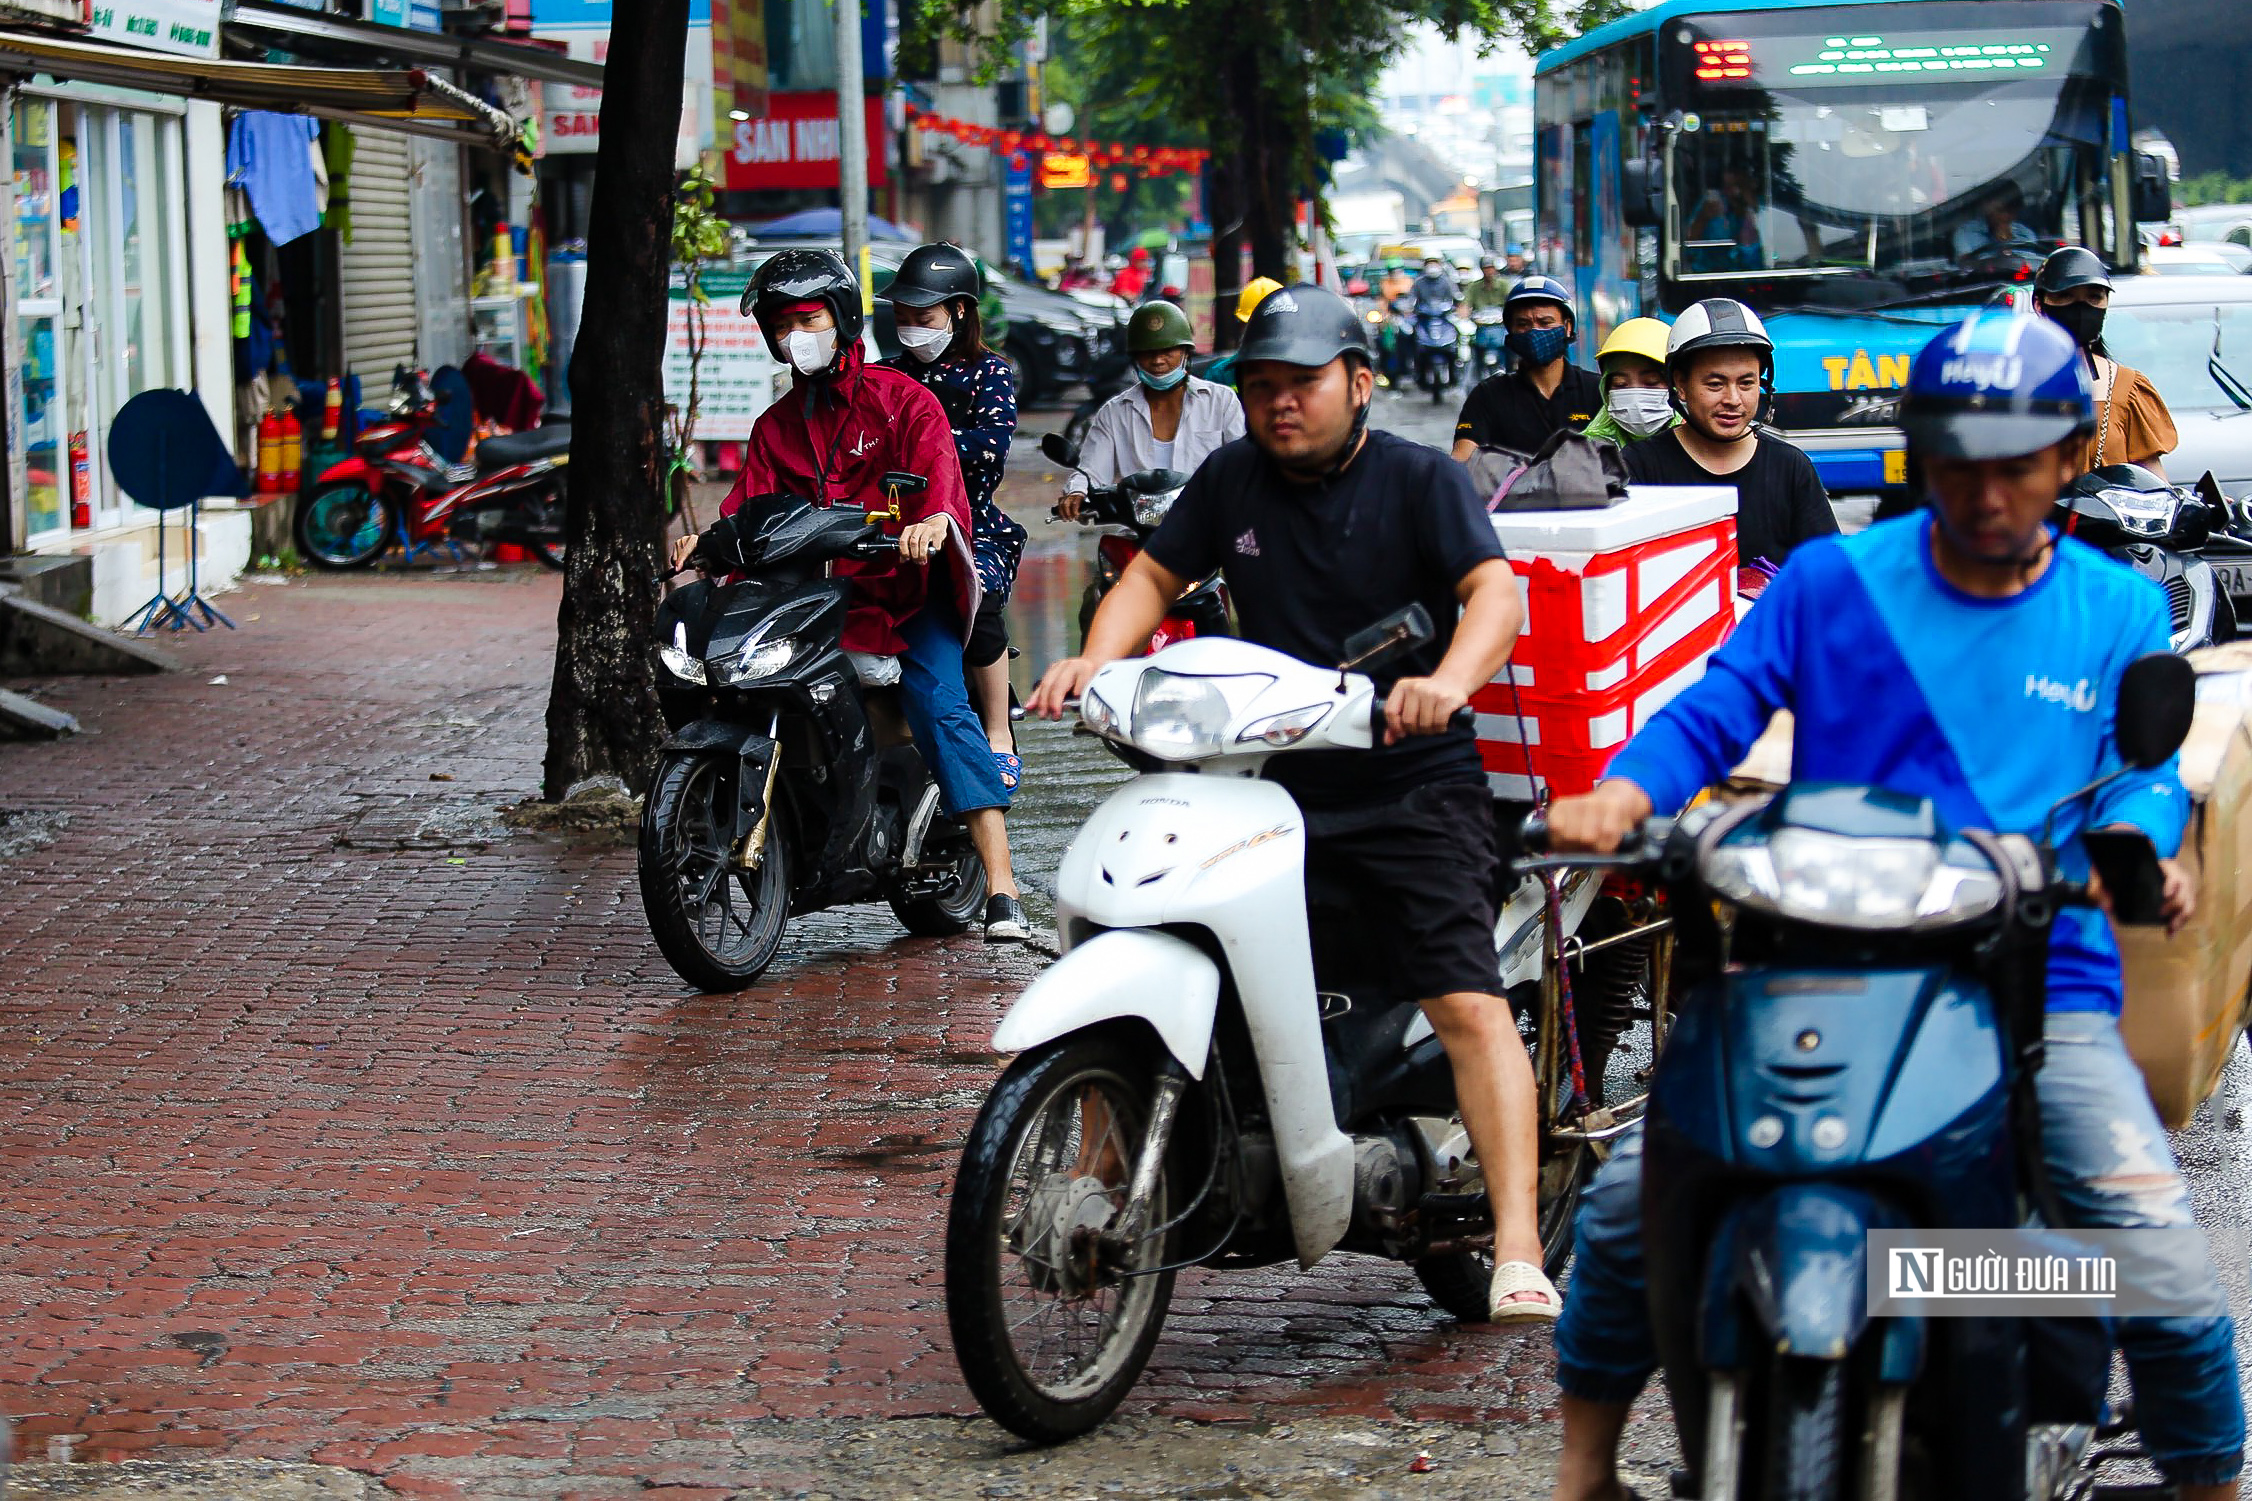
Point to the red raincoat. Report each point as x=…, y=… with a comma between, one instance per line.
x=833, y=441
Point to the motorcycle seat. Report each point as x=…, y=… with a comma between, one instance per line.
x=511, y=449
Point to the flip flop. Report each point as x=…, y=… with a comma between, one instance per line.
x=1011, y=768
x=1514, y=1277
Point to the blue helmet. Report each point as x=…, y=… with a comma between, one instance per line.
x=1539, y=288
x=1997, y=385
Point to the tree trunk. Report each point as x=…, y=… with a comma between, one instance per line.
x=1263, y=155
x=602, y=713
x=1224, y=208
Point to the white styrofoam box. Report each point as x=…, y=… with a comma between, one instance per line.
x=1648, y=511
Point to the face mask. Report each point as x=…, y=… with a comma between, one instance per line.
x=1164, y=382
x=924, y=343
x=2082, y=320
x=1540, y=346
x=1639, y=411
x=810, y=353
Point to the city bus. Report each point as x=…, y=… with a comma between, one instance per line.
x=1860, y=174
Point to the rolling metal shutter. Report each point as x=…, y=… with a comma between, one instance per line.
x=377, y=268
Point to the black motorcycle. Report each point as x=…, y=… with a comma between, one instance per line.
x=1135, y=507
x=785, y=786
x=2161, y=531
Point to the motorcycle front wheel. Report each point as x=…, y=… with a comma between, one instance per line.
x=717, y=924
x=1049, y=1332
x=343, y=525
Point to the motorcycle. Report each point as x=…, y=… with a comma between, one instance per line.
x=1438, y=345
x=1857, y=1055
x=1489, y=342
x=784, y=785
x=1221, y=1069
x=395, y=488
x=2162, y=531
x=1134, y=507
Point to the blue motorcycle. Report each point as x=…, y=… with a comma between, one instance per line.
x=1489, y=343
x=1855, y=1052
x=1438, y=344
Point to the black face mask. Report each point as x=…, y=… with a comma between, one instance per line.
x=2082, y=320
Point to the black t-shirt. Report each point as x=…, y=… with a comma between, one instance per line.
x=1780, y=501
x=1309, y=565
x=1507, y=411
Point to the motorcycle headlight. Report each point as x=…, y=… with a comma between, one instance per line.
x=681, y=665
x=1149, y=510
x=1847, y=882
x=1185, y=718
x=1287, y=728
x=761, y=661
x=2146, y=513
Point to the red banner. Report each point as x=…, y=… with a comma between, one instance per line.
x=795, y=144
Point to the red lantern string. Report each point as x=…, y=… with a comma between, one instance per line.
x=1152, y=161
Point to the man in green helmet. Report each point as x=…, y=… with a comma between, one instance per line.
x=1167, y=419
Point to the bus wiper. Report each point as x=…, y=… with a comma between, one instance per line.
x=1976, y=294
x=2231, y=387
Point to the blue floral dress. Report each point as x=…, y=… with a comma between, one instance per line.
x=981, y=403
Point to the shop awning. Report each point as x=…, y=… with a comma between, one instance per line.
x=335, y=39
x=412, y=100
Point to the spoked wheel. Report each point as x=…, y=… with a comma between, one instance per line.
x=1461, y=1282
x=717, y=924
x=556, y=512
x=1051, y=1324
x=941, y=906
x=343, y=525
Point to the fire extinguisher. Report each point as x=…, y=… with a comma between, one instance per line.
x=269, y=453
x=332, y=410
x=81, y=482
x=292, y=450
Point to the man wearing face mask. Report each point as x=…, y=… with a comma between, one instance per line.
x=1167, y=419
x=1322, y=527
x=843, y=426
x=1436, y=284
x=1722, y=363
x=2132, y=423
x=1637, y=402
x=1519, y=409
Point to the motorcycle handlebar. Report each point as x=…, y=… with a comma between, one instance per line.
x=1464, y=718
x=1638, y=848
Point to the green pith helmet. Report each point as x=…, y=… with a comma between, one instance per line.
x=1158, y=325
x=1395, y=264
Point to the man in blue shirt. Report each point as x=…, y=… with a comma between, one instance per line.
x=1969, y=655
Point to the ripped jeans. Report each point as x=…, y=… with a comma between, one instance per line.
x=2112, y=1168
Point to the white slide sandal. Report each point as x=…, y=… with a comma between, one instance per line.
x=1512, y=1278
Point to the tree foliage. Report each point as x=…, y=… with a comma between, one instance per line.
x=2212, y=187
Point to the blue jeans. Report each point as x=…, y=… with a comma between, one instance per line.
x=2108, y=1158
x=948, y=732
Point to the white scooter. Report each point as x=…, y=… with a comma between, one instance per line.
x=1217, y=1071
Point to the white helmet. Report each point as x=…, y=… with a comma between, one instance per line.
x=1721, y=323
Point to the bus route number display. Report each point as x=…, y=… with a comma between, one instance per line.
x=1799, y=62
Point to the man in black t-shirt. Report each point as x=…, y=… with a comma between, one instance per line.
x=1323, y=527
x=1520, y=409
x=1721, y=363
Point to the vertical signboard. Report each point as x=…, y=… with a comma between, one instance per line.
x=1016, y=205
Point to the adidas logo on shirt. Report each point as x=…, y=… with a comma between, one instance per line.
x=1247, y=545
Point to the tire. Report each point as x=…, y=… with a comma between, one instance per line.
x=1089, y=601
x=1082, y=418
x=1020, y=375
x=950, y=911
x=343, y=525
x=1030, y=1113
x=555, y=554
x=680, y=849
x=1808, y=1456
x=1461, y=1282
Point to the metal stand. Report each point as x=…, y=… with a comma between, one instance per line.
x=162, y=608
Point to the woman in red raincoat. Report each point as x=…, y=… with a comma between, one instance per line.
x=845, y=424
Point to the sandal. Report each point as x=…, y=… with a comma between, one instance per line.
x=1514, y=1277
x=1011, y=768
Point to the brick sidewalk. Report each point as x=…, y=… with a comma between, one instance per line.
x=341, y=1126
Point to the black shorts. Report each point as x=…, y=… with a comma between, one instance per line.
x=1423, y=867
x=989, y=635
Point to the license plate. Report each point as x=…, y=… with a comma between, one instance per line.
x=1896, y=466
x=2235, y=579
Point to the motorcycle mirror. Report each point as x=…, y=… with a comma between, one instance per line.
x=1403, y=628
x=1061, y=449
x=2157, y=700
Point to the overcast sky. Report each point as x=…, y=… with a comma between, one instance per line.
x=1434, y=65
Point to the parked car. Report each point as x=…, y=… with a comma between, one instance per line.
x=2210, y=258
x=2227, y=222
x=1054, y=340
x=2176, y=330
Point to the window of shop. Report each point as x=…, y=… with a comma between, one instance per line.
x=101, y=287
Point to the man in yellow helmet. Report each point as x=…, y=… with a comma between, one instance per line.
x=1636, y=400
x=1254, y=290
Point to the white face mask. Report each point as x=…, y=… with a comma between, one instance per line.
x=811, y=352
x=924, y=343
x=1640, y=410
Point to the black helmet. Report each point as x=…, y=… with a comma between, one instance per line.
x=789, y=276
x=933, y=273
x=1302, y=325
x=2068, y=267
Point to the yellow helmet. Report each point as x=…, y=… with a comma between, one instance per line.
x=1639, y=336
x=1254, y=291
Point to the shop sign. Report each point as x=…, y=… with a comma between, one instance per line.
x=1061, y=170
x=794, y=145
x=189, y=27
x=736, y=380
x=73, y=11
x=571, y=117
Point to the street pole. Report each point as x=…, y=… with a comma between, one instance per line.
x=852, y=141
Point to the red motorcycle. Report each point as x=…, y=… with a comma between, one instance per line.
x=396, y=489
x=1135, y=506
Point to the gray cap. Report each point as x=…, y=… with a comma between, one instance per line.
x=1302, y=325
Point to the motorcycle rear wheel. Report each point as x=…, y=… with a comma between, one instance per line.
x=717, y=926
x=1461, y=1282
x=343, y=525
x=949, y=911
x=1048, y=1162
